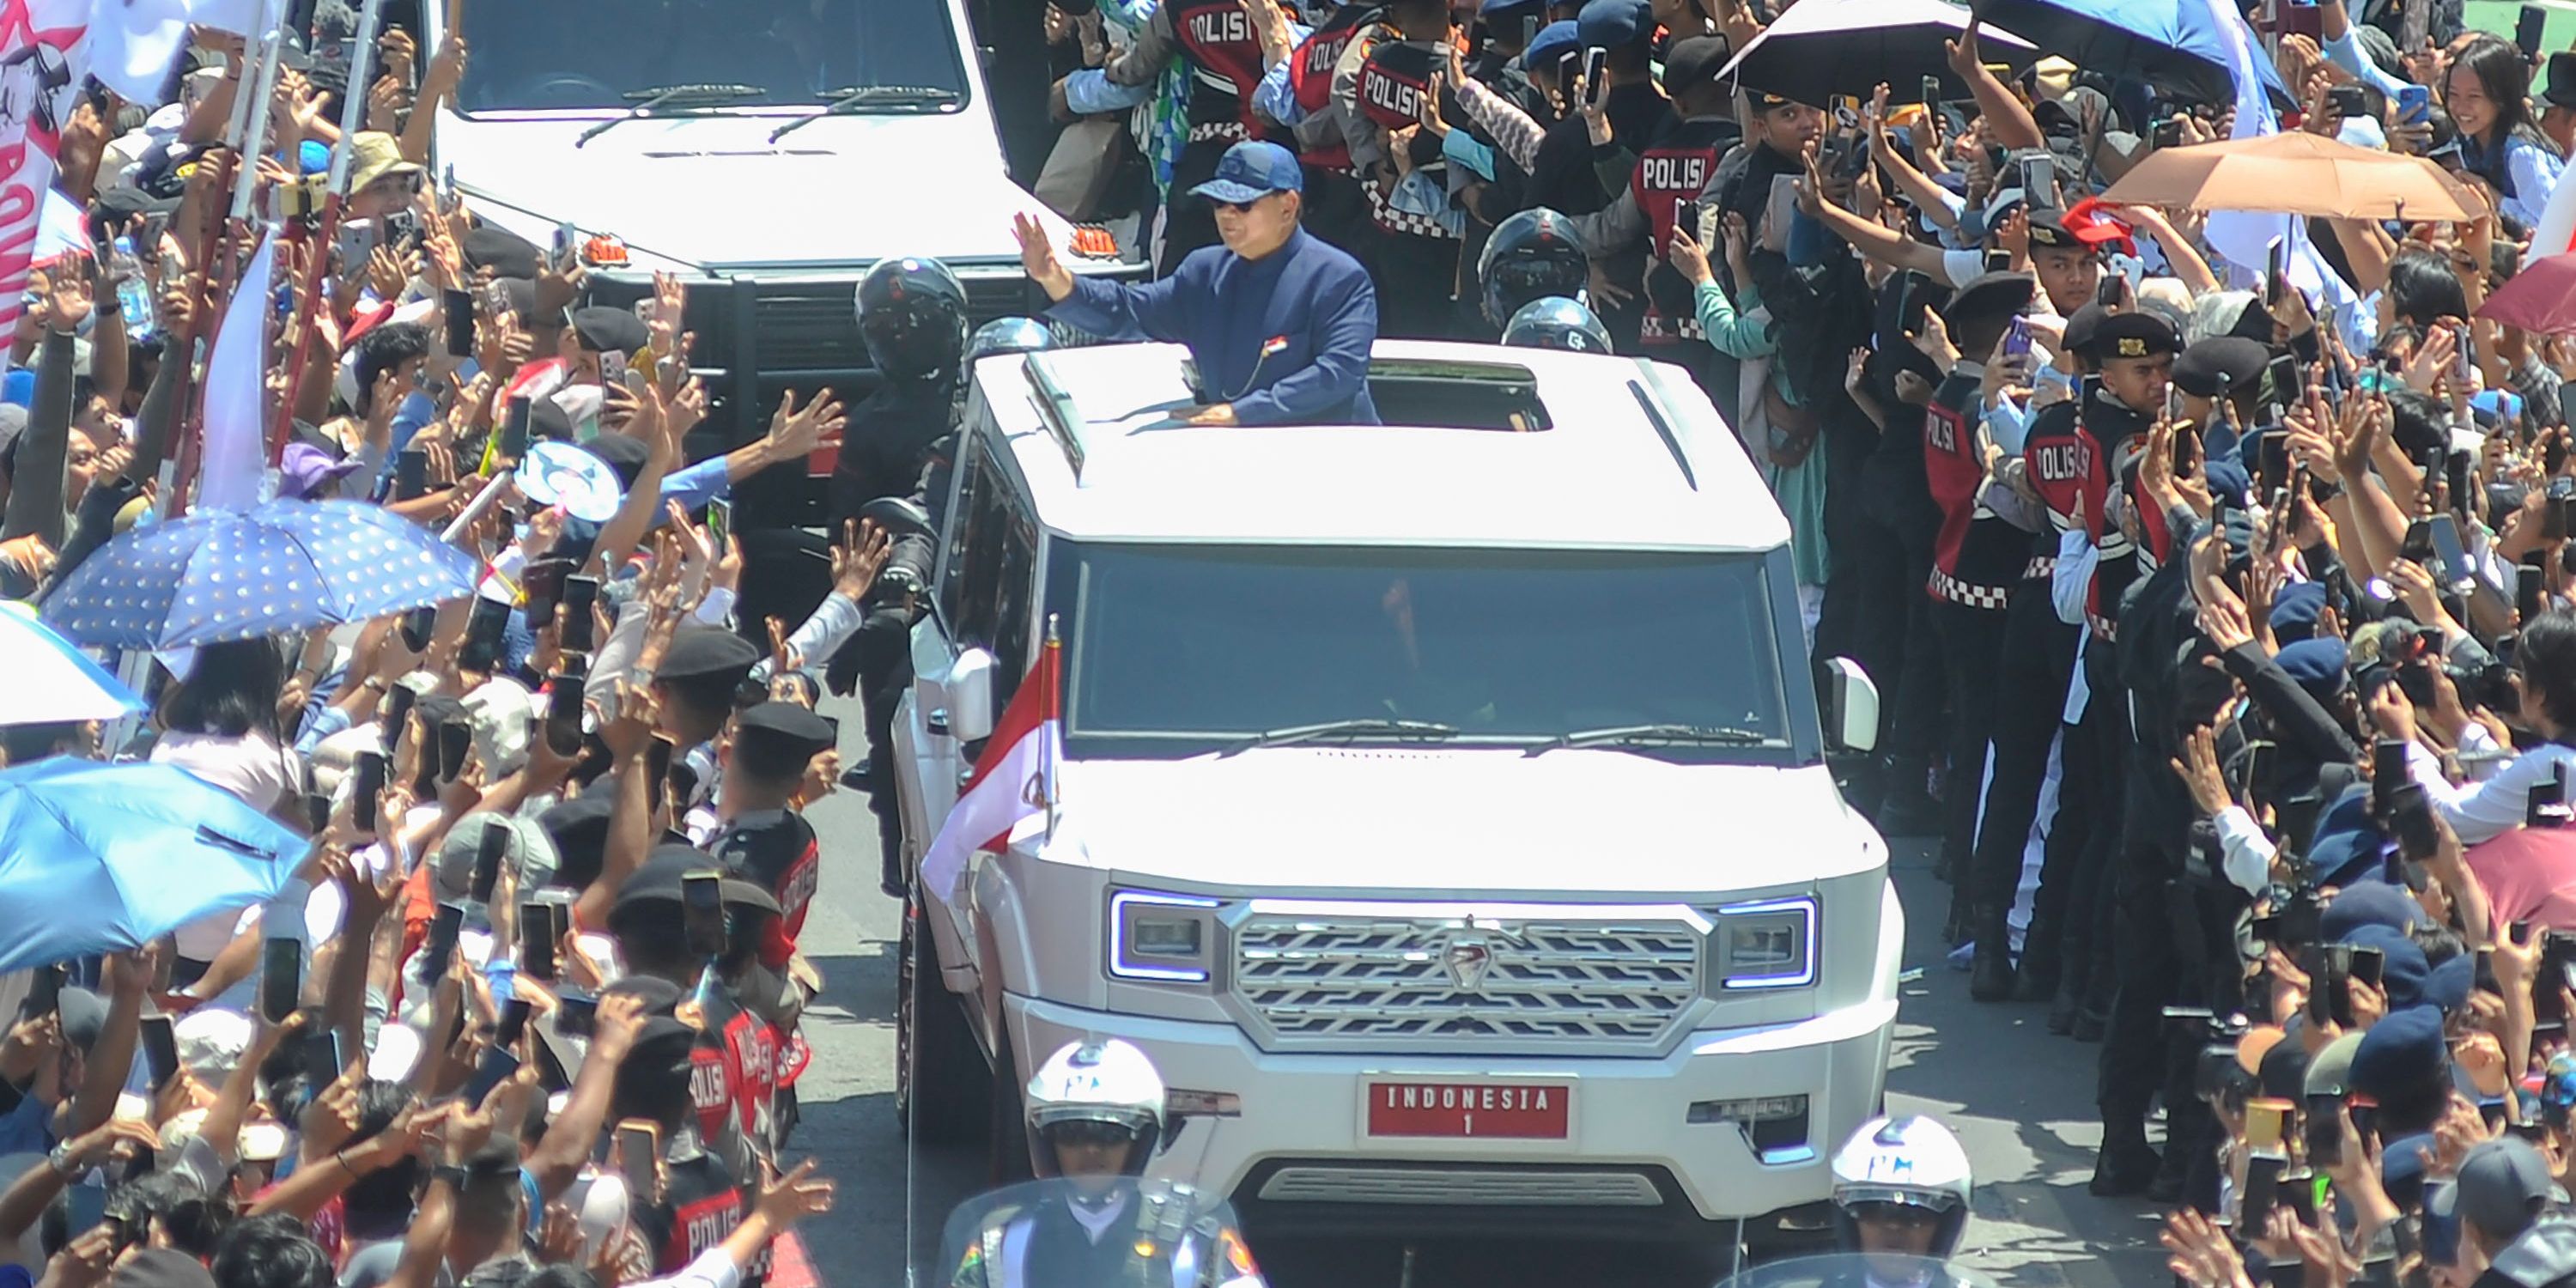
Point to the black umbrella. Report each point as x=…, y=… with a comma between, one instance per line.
x=1822, y=48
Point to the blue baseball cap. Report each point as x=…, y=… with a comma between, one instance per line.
x=1251, y=170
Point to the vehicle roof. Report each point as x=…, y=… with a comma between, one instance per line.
x=1602, y=477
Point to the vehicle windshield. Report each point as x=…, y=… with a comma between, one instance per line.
x=1514, y=646
x=574, y=54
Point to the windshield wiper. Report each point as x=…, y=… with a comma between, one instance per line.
x=868, y=97
x=1363, y=727
x=654, y=100
x=1655, y=735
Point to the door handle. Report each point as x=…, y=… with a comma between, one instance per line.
x=937, y=723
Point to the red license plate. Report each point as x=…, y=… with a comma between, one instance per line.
x=1470, y=1110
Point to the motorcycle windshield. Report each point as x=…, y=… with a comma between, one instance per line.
x=1858, y=1270
x=1071, y=1232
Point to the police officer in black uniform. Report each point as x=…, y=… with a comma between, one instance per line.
x=912, y=314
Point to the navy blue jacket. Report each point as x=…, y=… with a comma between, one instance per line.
x=1285, y=338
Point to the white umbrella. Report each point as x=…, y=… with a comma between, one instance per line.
x=49, y=680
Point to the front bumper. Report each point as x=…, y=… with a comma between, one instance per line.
x=1631, y=1162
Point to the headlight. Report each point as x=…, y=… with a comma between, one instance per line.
x=1771, y=944
x=1169, y=938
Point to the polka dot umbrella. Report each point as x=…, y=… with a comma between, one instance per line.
x=221, y=575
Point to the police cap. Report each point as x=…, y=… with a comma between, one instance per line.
x=506, y=253
x=579, y=830
x=1989, y=295
x=1615, y=22
x=2048, y=232
x=702, y=652
x=1694, y=62
x=787, y=728
x=625, y=455
x=607, y=330
x=2231, y=360
x=665, y=873
x=2134, y=334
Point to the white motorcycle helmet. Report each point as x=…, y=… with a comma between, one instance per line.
x=1905, y=1162
x=1109, y=1084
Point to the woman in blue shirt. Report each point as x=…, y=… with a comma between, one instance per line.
x=2488, y=93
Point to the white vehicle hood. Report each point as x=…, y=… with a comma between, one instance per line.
x=714, y=191
x=1294, y=820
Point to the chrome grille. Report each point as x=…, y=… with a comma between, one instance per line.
x=808, y=328
x=1356, y=982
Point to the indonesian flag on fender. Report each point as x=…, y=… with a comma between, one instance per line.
x=1014, y=779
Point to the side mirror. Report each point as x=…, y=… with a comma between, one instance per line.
x=970, y=696
x=1851, y=707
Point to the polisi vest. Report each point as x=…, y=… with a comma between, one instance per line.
x=1977, y=556
x=1310, y=75
x=1395, y=81
x=1225, y=61
x=1675, y=168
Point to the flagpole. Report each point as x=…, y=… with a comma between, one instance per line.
x=353, y=115
x=1054, y=655
x=245, y=138
x=254, y=133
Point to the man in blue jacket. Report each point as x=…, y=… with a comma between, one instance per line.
x=1280, y=323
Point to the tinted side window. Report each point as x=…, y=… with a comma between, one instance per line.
x=988, y=594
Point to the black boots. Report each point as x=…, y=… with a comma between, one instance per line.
x=1907, y=808
x=2124, y=1168
x=1990, y=971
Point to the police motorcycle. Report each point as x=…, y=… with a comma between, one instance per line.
x=1901, y=1191
x=1093, y=1219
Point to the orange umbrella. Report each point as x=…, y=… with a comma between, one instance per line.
x=2297, y=173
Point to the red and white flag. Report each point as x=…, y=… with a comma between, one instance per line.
x=44, y=55
x=1014, y=779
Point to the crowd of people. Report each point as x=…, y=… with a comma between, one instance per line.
x=2220, y=605
x=2219, y=598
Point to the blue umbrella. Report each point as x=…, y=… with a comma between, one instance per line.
x=221, y=575
x=49, y=680
x=2174, y=45
x=109, y=857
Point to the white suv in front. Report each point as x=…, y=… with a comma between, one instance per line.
x=1444, y=805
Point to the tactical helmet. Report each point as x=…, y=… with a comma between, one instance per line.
x=1532, y=255
x=912, y=313
x=1557, y=323
x=1108, y=1083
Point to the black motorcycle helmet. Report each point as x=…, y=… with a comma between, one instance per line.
x=912, y=313
x=1532, y=255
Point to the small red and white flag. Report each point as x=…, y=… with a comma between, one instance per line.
x=1014, y=779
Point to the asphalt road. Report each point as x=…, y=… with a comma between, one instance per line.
x=2019, y=1097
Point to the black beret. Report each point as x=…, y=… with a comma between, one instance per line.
x=604, y=330
x=702, y=652
x=579, y=829
x=2230, y=359
x=2135, y=334
x=1990, y=295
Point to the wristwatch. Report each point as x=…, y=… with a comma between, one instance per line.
x=453, y=1175
x=60, y=1159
